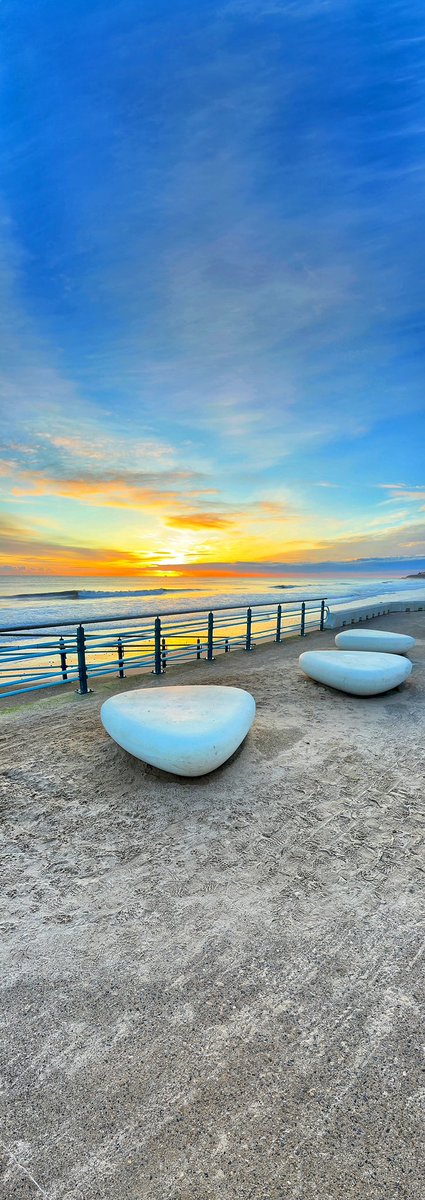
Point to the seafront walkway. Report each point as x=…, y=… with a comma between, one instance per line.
x=85, y=649
x=212, y=988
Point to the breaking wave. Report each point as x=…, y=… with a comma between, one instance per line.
x=82, y=594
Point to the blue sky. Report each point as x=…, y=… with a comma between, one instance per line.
x=212, y=284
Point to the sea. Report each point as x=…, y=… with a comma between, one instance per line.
x=31, y=600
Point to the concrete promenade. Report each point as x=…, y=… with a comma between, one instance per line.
x=213, y=989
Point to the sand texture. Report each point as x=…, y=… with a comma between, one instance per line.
x=214, y=988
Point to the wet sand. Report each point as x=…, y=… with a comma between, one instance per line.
x=213, y=988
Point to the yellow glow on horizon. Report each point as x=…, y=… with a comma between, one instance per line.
x=65, y=531
x=185, y=548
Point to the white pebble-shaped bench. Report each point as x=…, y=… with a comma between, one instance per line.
x=185, y=730
x=356, y=672
x=375, y=639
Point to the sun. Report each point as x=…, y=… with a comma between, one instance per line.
x=185, y=547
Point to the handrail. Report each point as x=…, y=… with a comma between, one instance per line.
x=174, y=635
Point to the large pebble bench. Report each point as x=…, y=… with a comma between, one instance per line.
x=357, y=672
x=375, y=639
x=186, y=730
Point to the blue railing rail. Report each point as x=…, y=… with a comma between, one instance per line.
x=40, y=659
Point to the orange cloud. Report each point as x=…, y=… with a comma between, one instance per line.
x=273, y=510
x=156, y=490
x=200, y=520
x=104, y=493
x=203, y=492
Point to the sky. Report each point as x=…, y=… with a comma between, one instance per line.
x=212, y=283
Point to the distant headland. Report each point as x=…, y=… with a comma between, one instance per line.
x=417, y=575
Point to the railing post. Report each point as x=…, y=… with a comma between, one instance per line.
x=120, y=649
x=303, y=619
x=82, y=665
x=322, y=616
x=210, y=646
x=163, y=654
x=198, y=648
x=248, y=639
x=63, y=659
x=279, y=623
x=158, y=665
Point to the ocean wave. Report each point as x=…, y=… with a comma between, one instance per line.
x=82, y=594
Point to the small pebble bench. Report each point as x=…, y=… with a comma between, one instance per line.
x=358, y=672
x=185, y=730
x=375, y=639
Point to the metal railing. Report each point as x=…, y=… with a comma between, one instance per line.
x=36, y=659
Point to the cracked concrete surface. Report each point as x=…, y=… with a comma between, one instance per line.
x=213, y=988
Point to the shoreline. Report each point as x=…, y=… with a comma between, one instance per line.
x=98, y=604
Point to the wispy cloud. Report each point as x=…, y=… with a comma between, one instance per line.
x=400, y=491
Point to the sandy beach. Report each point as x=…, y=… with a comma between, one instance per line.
x=213, y=988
